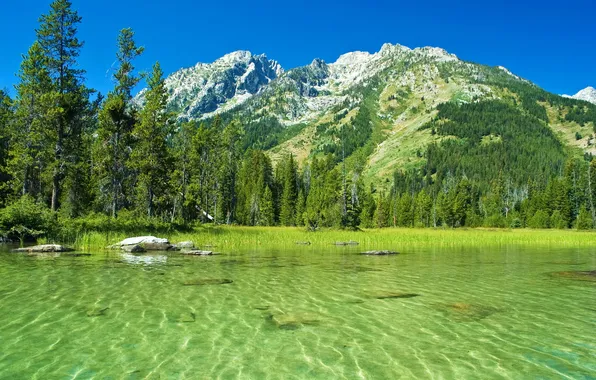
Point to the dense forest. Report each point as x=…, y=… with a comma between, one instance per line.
x=74, y=159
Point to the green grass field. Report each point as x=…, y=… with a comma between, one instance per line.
x=224, y=237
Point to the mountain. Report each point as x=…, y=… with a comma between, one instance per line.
x=588, y=94
x=398, y=109
x=201, y=90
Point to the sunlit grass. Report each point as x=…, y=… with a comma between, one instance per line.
x=272, y=237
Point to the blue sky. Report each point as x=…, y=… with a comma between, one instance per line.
x=552, y=43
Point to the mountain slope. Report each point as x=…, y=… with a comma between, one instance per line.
x=382, y=111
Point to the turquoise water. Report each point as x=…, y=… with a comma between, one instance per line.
x=300, y=313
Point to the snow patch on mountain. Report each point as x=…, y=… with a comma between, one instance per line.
x=588, y=94
x=207, y=88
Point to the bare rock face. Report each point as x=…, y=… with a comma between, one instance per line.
x=45, y=248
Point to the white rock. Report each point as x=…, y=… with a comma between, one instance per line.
x=143, y=239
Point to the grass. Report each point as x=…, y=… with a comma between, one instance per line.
x=225, y=238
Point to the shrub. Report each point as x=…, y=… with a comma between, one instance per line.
x=584, y=220
x=557, y=221
x=27, y=219
x=539, y=220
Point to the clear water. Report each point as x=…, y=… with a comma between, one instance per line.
x=300, y=313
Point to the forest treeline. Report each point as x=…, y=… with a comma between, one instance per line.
x=73, y=158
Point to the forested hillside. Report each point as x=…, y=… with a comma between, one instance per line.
x=401, y=137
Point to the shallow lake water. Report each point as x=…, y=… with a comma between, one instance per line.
x=300, y=313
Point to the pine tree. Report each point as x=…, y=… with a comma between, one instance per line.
x=6, y=118
x=300, y=207
x=116, y=120
x=204, y=166
x=182, y=173
x=382, y=212
x=150, y=156
x=289, y=193
x=584, y=219
x=230, y=154
x=30, y=153
x=353, y=206
x=424, y=206
x=57, y=36
x=267, y=216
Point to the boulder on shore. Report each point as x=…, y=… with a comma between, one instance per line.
x=380, y=253
x=135, y=248
x=143, y=239
x=45, y=248
x=185, y=245
x=146, y=243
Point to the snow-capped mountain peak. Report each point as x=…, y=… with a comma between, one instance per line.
x=588, y=94
x=225, y=83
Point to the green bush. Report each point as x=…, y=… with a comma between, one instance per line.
x=584, y=220
x=539, y=220
x=557, y=221
x=27, y=219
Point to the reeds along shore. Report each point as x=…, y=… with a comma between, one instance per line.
x=234, y=237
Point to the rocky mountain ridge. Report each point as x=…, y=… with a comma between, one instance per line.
x=588, y=94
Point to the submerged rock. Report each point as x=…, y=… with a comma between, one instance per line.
x=292, y=321
x=466, y=312
x=581, y=275
x=197, y=252
x=144, y=259
x=351, y=242
x=208, y=281
x=185, y=317
x=45, y=248
x=99, y=312
x=380, y=253
x=361, y=269
x=390, y=295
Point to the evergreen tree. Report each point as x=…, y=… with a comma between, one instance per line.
x=289, y=196
x=30, y=154
x=203, y=165
x=584, y=219
x=382, y=212
x=267, y=217
x=57, y=36
x=116, y=120
x=150, y=156
x=353, y=206
x=424, y=206
x=182, y=173
x=228, y=169
x=6, y=118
